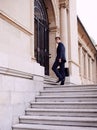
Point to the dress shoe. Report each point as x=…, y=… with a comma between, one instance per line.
x=58, y=80
x=62, y=82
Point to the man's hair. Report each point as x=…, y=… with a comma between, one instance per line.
x=57, y=37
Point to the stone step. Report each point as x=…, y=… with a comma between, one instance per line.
x=68, y=92
x=67, y=98
x=50, y=80
x=54, y=84
x=49, y=127
x=69, y=87
x=48, y=77
x=74, y=85
x=72, y=90
x=64, y=105
x=50, y=83
x=62, y=112
x=59, y=121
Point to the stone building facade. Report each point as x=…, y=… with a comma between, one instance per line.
x=87, y=56
x=27, y=41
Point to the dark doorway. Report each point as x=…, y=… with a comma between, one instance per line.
x=41, y=34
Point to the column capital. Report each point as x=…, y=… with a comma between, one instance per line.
x=63, y=3
x=54, y=29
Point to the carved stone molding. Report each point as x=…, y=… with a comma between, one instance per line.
x=54, y=29
x=16, y=24
x=63, y=3
x=15, y=73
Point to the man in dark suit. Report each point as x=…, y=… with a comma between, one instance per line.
x=60, y=61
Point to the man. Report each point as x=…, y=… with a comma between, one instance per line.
x=60, y=61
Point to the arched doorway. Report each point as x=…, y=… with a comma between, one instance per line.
x=41, y=34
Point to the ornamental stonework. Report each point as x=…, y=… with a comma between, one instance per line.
x=63, y=3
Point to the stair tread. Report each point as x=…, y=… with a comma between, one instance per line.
x=70, y=85
x=85, y=119
x=63, y=96
x=52, y=103
x=63, y=110
x=65, y=122
x=52, y=91
x=51, y=127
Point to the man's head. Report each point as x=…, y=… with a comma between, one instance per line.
x=57, y=39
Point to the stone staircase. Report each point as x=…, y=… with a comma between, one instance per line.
x=68, y=107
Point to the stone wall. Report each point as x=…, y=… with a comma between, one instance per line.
x=15, y=96
x=21, y=77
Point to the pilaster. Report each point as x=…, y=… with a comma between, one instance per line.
x=95, y=68
x=87, y=69
x=64, y=25
x=73, y=43
x=80, y=62
x=90, y=69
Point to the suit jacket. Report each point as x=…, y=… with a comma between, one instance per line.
x=61, y=52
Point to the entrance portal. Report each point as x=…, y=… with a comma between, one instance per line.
x=41, y=35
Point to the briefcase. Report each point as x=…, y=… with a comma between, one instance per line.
x=66, y=71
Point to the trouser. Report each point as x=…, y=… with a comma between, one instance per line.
x=60, y=74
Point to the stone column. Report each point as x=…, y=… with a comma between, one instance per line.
x=64, y=26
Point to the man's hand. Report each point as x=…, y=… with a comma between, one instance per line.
x=59, y=60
